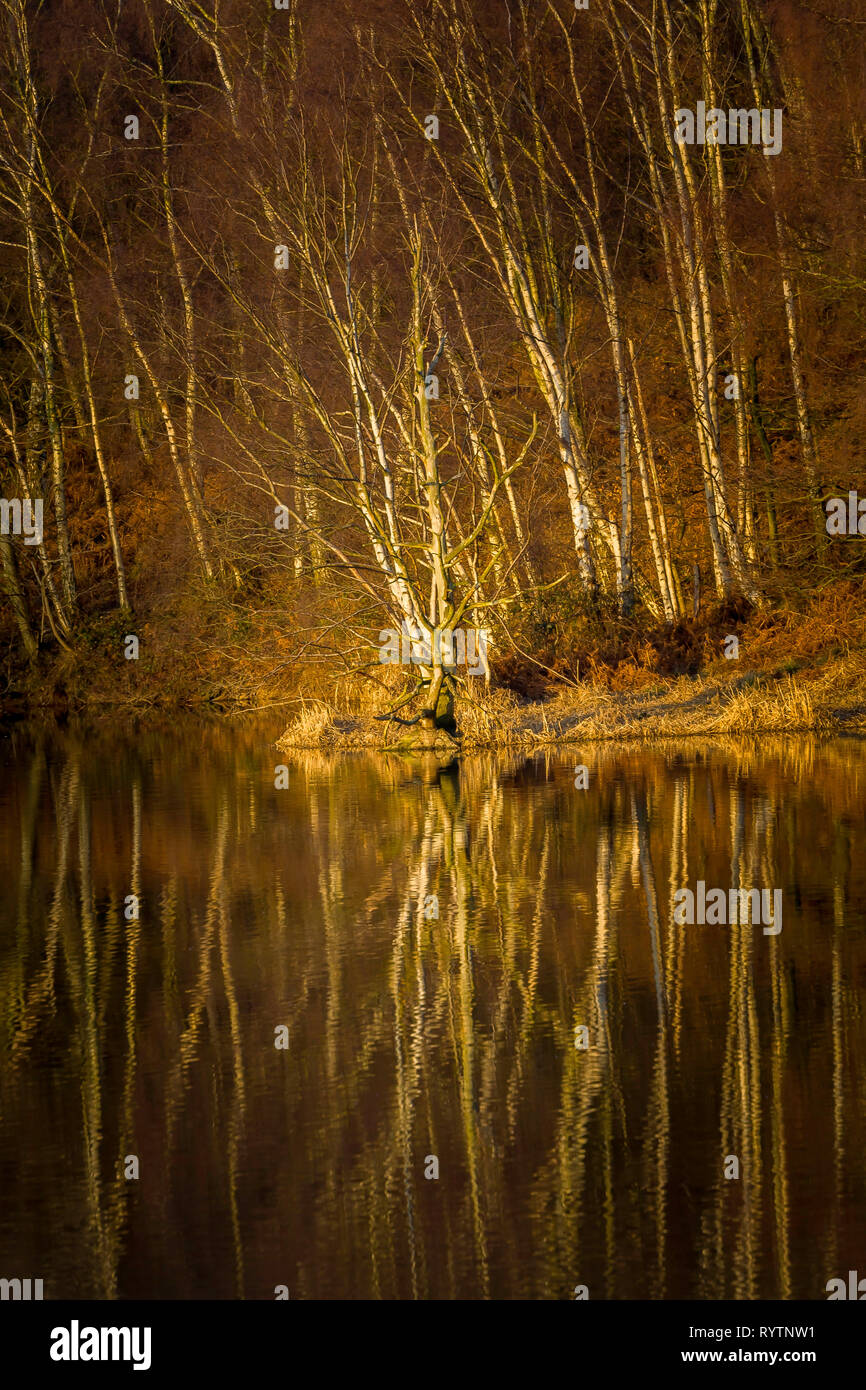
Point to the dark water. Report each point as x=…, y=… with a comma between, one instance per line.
x=412, y=1037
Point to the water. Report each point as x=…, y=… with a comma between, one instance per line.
x=311, y=909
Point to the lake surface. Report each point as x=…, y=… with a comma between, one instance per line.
x=289, y=1041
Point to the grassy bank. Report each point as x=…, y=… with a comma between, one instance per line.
x=825, y=698
x=800, y=668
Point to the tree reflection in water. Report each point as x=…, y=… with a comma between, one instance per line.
x=414, y=1034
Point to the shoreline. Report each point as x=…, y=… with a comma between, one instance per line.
x=819, y=700
x=825, y=698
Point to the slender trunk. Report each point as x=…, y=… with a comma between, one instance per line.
x=187, y=491
x=658, y=530
x=723, y=244
x=14, y=594
x=789, y=299
x=52, y=419
x=40, y=310
x=96, y=433
x=758, y=424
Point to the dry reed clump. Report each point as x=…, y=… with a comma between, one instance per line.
x=488, y=717
x=348, y=717
x=364, y=694
x=785, y=707
x=314, y=727
x=846, y=676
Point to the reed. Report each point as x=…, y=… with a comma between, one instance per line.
x=829, y=700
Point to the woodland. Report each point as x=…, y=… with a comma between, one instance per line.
x=320, y=322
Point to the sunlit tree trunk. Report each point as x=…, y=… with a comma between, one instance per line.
x=13, y=591
x=789, y=299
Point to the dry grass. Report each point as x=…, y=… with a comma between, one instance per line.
x=314, y=726
x=820, y=700
x=798, y=672
x=786, y=707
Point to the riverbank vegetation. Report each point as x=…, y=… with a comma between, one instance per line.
x=325, y=323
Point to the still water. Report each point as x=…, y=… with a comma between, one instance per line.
x=289, y=1042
